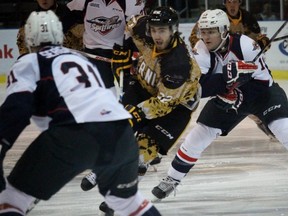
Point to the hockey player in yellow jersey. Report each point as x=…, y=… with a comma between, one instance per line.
x=165, y=90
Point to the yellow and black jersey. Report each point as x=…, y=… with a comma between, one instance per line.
x=171, y=77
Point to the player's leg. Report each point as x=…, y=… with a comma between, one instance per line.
x=274, y=112
x=159, y=136
x=190, y=150
x=118, y=175
x=133, y=95
x=13, y=202
x=50, y=161
x=209, y=122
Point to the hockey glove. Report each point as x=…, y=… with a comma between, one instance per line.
x=137, y=115
x=230, y=101
x=4, y=147
x=121, y=61
x=263, y=40
x=239, y=72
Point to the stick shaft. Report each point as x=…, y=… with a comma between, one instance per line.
x=270, y=41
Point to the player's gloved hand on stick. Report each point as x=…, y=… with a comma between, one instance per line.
x=239, y=72
x=4, y=147
x=231, y=100
x=121, y=61
x=137, y=115
x=263, y=40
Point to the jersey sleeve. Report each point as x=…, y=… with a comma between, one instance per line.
x=250, y=50
x=16, y=111
x=21, y=41
x=202, y=56
x=212, y=84
x=193, y=38
x=134, y=7
x=23, y=75
x=76, y=5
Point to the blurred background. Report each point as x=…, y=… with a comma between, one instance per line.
x=12, y=12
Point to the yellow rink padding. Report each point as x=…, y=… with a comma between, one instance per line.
x=277, y=74
x=281, y=75
x=2, y=78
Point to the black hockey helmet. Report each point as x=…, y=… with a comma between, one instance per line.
x=164, y=15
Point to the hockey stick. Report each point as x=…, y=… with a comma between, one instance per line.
x=280, y=38
x=97, y=57
x=270, y=41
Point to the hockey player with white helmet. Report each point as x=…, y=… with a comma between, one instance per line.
x=236, y=86
x=63, y=92
x=241, y=22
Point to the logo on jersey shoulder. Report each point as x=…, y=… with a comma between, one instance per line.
x=283, y=47
x=105, y=112
x=255, y=45
x=194, y=51
x=104, y=25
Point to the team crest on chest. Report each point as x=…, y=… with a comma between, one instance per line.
x=104, y=25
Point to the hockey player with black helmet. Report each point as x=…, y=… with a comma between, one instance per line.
x=165, y=86
x=165, y=90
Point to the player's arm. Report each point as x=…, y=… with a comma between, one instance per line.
x=193, y=38
x=72, y=14
x=174, y=84
x=21, y=41
x=211, y=83
x=15, y=115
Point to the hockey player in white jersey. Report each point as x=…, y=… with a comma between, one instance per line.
x=66, y=96
x=104, y=26
x=236, y=86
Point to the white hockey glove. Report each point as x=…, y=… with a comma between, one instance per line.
x=239, y=72
x=230, y=101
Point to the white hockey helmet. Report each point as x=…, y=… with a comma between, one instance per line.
x=43, y=28
x=215, y=19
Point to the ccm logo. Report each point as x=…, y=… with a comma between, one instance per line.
x=5, y=52
x=271, y=109
x=165, y=132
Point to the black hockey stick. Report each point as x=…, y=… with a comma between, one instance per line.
x=280, y=38
x=270, y=41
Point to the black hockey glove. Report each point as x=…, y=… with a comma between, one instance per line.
x=4, y=147
x=121, y=61
x=230, y=101
x=137, y=115
x=239, y=72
